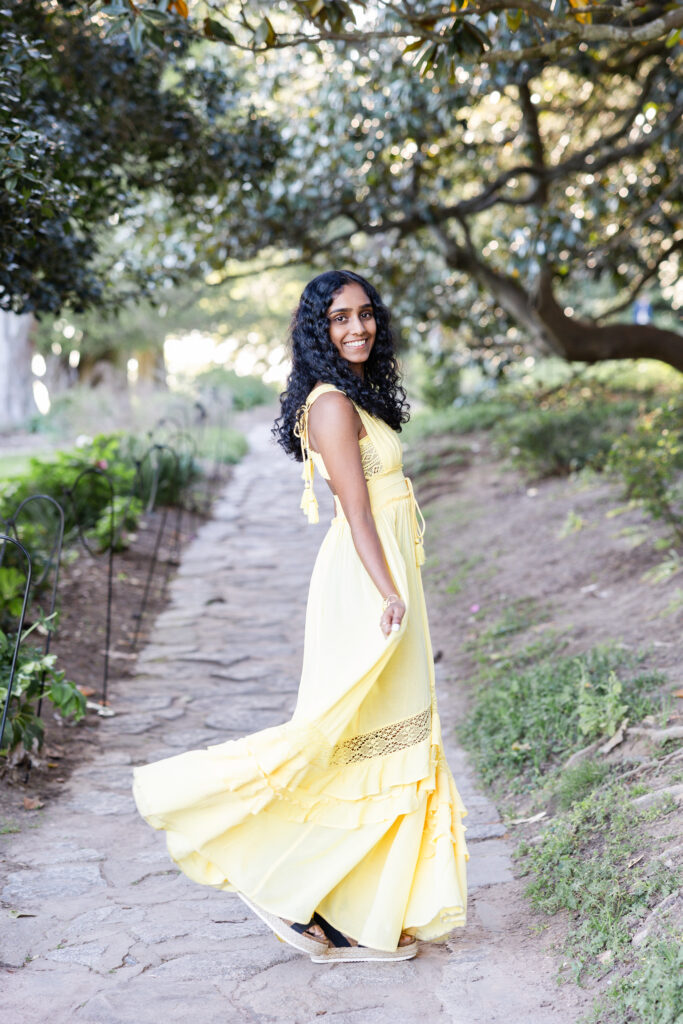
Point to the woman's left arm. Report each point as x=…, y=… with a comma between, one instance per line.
x=333, y=426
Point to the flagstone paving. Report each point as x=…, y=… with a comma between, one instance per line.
x=99, y=927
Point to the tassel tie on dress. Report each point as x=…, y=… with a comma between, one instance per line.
x=309, y=502
x=418, y=525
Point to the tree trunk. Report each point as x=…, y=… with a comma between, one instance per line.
x=583, y=341
x=16, y=377
x=549, y=329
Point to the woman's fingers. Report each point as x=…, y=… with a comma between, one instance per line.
x=392, y=617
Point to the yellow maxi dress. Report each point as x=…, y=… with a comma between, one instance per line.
x=349, y=808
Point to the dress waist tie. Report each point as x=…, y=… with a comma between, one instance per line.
x=389, y=487
x=418, y=525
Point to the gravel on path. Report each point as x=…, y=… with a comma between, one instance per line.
x=99, y=927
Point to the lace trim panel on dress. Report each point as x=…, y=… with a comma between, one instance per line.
x=369, y=457
x=387, y=740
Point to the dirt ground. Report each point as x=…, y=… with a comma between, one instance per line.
x=570, y=546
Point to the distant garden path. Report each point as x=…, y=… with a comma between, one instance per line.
x=99, y=927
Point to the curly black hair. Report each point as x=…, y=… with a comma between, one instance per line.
x=315, y=358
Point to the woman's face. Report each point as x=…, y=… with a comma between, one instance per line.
x=352, y=325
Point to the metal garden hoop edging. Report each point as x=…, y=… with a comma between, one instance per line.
x=162, y=524
x=102, y=474
x=54, y=558
x=4, y=540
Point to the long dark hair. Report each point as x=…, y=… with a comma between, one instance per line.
x=314, y=358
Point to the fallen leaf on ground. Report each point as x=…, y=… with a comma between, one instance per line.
x=528, y=821
x=636, y=860
x=87, y=691
x=678, y=693
x=32, y=803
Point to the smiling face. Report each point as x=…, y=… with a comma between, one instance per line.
x=352, y=325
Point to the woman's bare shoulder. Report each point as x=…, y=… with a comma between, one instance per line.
x=333, y=416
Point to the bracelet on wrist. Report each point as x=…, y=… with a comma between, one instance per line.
x=389, y=599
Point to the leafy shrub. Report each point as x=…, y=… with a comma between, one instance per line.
x=243, y=392
x=33, y=670
x=12, y=584
x=650, y=463
x=89, y=503
x=483, y=414
x=557, y=441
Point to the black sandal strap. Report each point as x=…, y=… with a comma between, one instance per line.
x=335, y=937
x=301, y=928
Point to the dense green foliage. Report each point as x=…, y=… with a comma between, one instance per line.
x=650, y=463
x=88, y=504
x=511, y=204
x=88, y=130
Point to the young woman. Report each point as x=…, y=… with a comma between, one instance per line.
x=341, y=828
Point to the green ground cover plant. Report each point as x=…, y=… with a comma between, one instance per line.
x=530, y=710
x=589, y=863
x=652, y=992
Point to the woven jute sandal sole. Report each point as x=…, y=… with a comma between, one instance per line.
x=285, y=931
x=357, y=954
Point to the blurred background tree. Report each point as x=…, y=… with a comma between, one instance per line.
x=509, y=175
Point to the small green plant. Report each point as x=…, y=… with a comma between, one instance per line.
x=600, y=706
x=574, y=784
x=34, y=672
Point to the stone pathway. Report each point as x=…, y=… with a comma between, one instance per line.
x=98, y=926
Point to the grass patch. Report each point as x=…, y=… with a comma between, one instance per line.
x=222, y=444
x=14, y=465
x=577, y=783
x=457, y=581
x=532, y=709
x=589, y=863
x=518, y=616
x=653, y=992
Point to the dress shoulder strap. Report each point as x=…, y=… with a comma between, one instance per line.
x=309, y=502
x=318, y=390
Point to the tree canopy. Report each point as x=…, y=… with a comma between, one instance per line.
x=89, y=131
x=523, y=188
